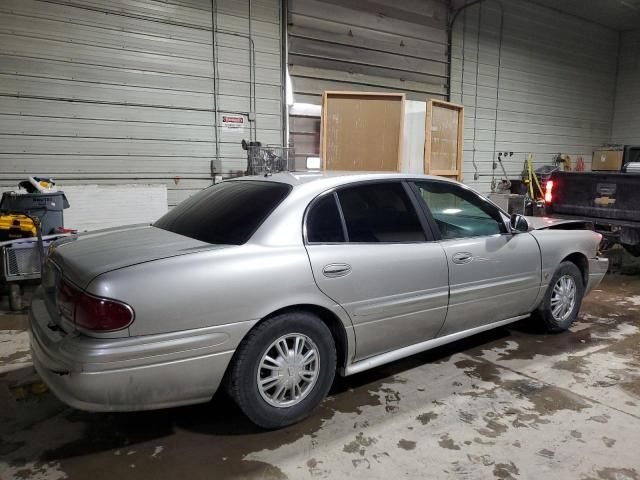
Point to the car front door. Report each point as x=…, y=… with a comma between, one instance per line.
x=493, y=274
x=372, y=252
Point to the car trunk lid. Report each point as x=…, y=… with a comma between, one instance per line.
x=89, y=255
x=80, y=259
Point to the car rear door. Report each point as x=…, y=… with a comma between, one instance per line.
x=370, y=253
x=493, y=274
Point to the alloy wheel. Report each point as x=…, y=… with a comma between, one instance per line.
x=563, y=298
x=288, y=370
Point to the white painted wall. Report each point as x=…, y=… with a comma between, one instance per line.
x=556, y=91
x=415, y=115
x=626, y=120
x=93, y=207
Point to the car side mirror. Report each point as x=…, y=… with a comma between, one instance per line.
x=518, y=223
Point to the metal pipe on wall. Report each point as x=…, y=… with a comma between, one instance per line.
x=284, y=63
x=252, y=78
x=251, y=114
x=495, y=120
x=214, y=59
x=454, y=17
x=252, y=63
x=475, y=98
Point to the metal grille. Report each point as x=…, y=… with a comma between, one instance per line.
x=21, y=261
x=265, y=160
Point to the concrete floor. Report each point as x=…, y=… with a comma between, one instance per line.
x=511, y=403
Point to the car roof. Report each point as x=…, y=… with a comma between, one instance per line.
x=320, y=180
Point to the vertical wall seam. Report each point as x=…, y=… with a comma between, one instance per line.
x=615, y=88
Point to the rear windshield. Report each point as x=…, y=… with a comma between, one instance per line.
x=227, y=213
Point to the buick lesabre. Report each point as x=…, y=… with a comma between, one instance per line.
x=269, y=286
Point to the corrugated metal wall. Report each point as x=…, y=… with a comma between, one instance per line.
x=98, y=91
x=626, y=123
x=557, y=85
x=365, y=45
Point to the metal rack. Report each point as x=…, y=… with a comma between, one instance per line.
x=266, y=160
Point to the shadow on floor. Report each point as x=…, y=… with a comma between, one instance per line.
x=221, y=417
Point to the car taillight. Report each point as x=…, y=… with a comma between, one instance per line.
x=548, y=191
x=95, y=313
x=91, y=312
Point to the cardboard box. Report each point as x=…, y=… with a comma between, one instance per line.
x=607, y=160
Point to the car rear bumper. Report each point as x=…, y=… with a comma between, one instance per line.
x=133, y=373
x=598, y=267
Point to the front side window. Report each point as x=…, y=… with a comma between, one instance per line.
x=227, y=213
x=380, y=212
x=458, y=212
x=323, y=222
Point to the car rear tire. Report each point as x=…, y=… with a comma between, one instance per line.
x=283, y=369
x=562, y=300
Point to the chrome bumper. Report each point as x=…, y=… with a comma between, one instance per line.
x=598, y=267
x=132, y=373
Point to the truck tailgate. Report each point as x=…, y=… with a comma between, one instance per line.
x=614, y=196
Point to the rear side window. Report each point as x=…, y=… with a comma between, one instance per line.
x=380, y=212
x=323, y=222
x=227, y=213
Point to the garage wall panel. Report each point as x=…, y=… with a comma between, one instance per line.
x=626, y=122
x=94, y=207
x=547, y=88
x=363, y=45
x=101, y=91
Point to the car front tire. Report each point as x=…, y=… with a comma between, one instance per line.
x=562, y=300
x=283, y=369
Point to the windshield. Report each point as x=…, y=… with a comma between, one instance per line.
x=227, y=213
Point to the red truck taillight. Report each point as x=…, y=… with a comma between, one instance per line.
x=91, y=312
x=548, y=191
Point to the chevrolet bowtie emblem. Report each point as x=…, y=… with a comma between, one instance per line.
x=605, y=201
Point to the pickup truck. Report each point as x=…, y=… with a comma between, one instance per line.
x=611, y=201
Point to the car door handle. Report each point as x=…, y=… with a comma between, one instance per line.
x=336, y=270
x=462, y=258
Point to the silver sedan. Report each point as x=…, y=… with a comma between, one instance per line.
x=270, y=285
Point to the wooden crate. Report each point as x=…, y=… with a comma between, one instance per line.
x=361, y=131
x=444, y=139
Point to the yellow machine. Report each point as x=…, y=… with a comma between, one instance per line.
x=13, y=226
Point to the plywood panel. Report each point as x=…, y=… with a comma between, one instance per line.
x=444, y=139
x=362, y=131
